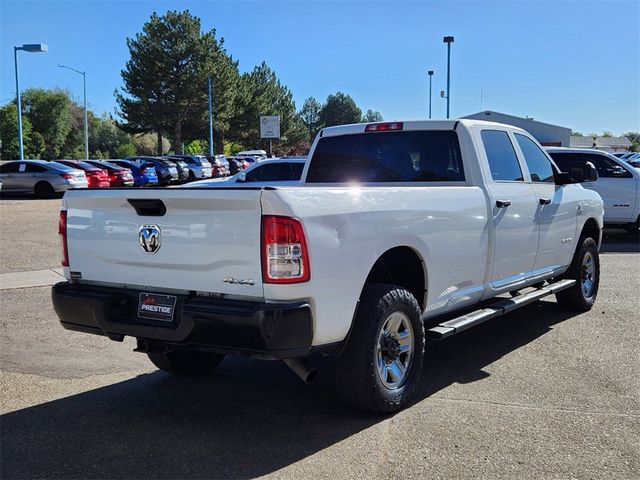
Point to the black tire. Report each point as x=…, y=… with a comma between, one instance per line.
x=356, y=369
x=192, y=177
x=583, y=294
x=186, y=364
x=44, y=190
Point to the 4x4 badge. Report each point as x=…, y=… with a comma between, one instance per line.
x=149, y=238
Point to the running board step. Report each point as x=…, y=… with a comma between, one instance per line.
x=464, y=322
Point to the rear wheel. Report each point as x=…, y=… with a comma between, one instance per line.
x=585, y=269
x=44, y=190
x=381, y=364
x=186, y=364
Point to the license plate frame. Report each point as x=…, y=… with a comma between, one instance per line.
x=157, y=306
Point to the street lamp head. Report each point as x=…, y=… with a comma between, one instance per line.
x=447, y=39
x=34, y=47
x=430, y=72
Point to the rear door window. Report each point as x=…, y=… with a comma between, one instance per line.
x=539, y=166
x=9, y=167
x=405, y=156
x=502, y=158
x=33, y=168
x=264, y=173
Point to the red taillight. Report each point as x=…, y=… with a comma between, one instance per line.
x=285, y=257
x=62, y=231
x=383, y=127
x=67, y=176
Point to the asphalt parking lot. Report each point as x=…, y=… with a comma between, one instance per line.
x=542, y=393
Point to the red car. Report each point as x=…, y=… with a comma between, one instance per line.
x=118, y=176
x=96, y=177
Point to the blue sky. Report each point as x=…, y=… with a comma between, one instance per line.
x=570, y=63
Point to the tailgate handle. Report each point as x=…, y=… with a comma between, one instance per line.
x=148, y=207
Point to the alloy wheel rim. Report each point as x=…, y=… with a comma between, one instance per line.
x=588, y=275
x=394, y=350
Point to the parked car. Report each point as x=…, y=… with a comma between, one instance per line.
x=166, y=170
x=237, y=164
x=39, y=177
x=255, y=155
x=183, y=170
x=395, y=225
x=96, y=177
x=618, y=184
x=272, y=172
x=144, y=174
x=220, y=166
x=199, y=166
x=118, y=176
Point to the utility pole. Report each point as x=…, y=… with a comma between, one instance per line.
x=430, y=72
x=210, y=120
x=86, y=122
x=448, y=41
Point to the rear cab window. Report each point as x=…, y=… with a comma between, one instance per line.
x=387, y=157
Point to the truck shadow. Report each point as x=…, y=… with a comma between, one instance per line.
x=619, y=241
x=250, y=419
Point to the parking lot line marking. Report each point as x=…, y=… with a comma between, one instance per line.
x=34, y=278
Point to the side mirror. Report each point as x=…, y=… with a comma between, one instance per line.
x=242, y=177
x=581, y=172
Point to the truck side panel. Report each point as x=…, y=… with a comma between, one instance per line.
x=349, y=228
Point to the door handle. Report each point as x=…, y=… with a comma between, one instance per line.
x=545, y=201
x=503, y=203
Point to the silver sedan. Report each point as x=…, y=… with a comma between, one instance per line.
x=44, y=179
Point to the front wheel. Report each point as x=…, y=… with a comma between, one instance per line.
x=186, y=364
x=381, y=364
x=585, y=269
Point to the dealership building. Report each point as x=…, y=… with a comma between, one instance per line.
x=546, y=133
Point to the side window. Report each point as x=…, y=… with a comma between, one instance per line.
x=503, y=161
x=290, y=171
x=606, y=167
x=264, y=173
x=562, y=160
x=9, y=167
x=539, y=166
x=33, y=168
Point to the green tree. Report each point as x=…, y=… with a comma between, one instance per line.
x=125, y=150
x=194, y=147
x=634, y=138
x=264, y=94
x=372, y=116
x=106, y=137
x=576, y=134
x=165, y=80
x=607, y=133
x=339, y=109
x=310, y=115
x=49, y=112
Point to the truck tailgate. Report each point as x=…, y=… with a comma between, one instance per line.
x=209, y=239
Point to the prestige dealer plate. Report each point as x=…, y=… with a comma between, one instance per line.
x=156, y=306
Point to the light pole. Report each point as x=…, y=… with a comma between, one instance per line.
x=31, y=48
x=210, y=120
x=430, y=72
x=86, y=123
x=448, y=41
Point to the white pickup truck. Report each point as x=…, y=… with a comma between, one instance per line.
x=399, y=231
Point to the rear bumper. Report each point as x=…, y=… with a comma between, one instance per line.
x=259, y=329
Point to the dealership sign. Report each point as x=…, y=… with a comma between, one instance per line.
x=270, y=126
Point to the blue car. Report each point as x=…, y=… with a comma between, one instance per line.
x=144, y=174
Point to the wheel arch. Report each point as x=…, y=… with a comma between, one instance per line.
x=591, y=228
x=402, y=266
